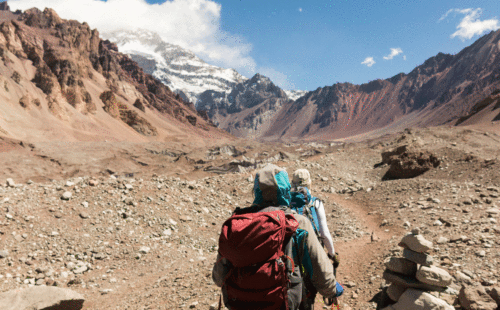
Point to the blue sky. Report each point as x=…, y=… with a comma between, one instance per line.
x=299, y=44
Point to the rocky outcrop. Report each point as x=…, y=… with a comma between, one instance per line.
x=140, y=105
x=492, y=103
x=408, y=162
x=41, y=298
x=120, y=111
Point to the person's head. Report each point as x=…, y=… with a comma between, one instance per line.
x=271, y=187
x=301, y=177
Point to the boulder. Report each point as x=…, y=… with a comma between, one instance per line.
x=140, y=105
x=66, y=196
x=476, y=298
x=395, y=291
x=462, y=277
x=419, y=258
x=4, y=254
x=413, y=299
x=10, y=183
x=408, y=163
x=434, y=275
x=410, y=282
x=41, y=297
x=401, y=265
x=416, y=243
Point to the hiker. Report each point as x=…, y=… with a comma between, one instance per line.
x=312, y=208
x=302, y=178
x=266, y=252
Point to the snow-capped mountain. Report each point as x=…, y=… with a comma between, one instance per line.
x=295, y=94
x=181, y=70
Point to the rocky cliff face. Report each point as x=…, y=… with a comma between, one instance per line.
x=246, y=110
x=65, y=68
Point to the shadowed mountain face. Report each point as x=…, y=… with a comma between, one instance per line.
x=61, y=81
x=247, y=109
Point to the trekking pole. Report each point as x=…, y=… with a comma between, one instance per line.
x=335, y=304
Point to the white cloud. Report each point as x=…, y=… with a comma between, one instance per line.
x=394, y=52
x=191, y=24
x=280, y=79
x=369, y=61
x=404, y=57
x=471, y=25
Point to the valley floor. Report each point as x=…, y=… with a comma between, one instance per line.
x=140, y=229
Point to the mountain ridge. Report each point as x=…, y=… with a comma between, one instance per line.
x=441, y=90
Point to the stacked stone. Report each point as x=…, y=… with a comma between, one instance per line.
x=413, y=276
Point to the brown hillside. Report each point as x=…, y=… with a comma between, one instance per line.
x=440, y=91
x=53, y=73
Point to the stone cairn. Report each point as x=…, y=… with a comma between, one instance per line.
x=413, y=277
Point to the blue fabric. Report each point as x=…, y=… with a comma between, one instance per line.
x=284, y=187
x=299, y=238
x=340, y=290
x=298, y=202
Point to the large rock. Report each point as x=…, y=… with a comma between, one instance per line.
x=434, y=275
x=417, y=300
x=66, y=196
x=401, y=265
x=41, y=298
x=410, y=282
x=395, y=291
x=10, y=183
x=408, y=162
x=419, y=258
x=476, y=298
x=416, y=243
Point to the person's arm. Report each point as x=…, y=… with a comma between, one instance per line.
x=313, y=259
x=323, y=227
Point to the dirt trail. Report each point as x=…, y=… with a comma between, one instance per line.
x=361, y=254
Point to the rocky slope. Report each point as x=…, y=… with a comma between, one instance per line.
x=61, y=81
x=439, y=91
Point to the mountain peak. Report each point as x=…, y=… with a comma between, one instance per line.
x=178, y=68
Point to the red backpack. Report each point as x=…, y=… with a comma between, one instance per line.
x=258, y=245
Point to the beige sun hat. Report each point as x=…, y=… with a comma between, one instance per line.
x=301, y=177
